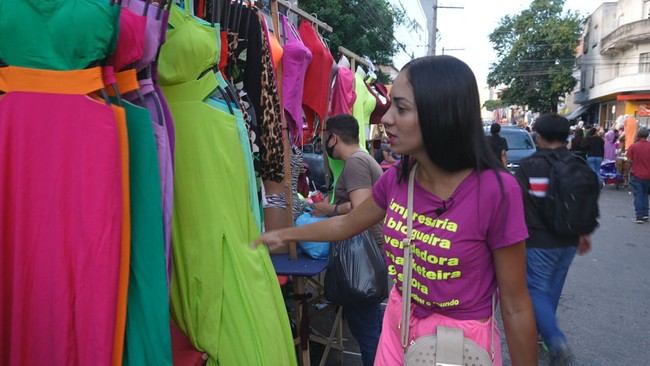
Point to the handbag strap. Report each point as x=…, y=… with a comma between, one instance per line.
x=408, y=274
x=408, y=263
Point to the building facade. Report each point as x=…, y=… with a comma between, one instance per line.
x=613, y=64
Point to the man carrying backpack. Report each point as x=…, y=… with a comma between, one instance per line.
x=561, y=213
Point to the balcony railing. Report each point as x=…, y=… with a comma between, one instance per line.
x=625, y=37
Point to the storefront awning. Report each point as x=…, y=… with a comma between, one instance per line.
x=578, y=112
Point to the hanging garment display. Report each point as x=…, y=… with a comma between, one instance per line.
x=60, y=218
x=150, y=97
x=61, y=204
x=383, y=101
x=343, y=94
x=295, y=62
x=317, y=81
x=363, y=107
x=221, y=290
x=270, y=124
x=145, y=334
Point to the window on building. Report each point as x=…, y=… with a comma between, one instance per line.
x=585, y=44
x=592, y=82
x=583, y=80
x=644, y=62
x=617, y=69
x=646, y=9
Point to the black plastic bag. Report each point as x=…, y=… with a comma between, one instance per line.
x=356, y=272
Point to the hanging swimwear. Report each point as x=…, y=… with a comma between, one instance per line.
x=317, y=81
x=295, y=62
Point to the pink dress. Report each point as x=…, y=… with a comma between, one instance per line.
x=60, y=219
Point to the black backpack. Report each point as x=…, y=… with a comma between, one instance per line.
x=571, y=204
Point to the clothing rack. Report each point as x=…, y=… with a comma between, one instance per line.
x=304, y=14
x=301, y=271
x=354, y=57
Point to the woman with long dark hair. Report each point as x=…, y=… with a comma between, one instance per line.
x=577, y=143
x=468, y=218
x=498, y=144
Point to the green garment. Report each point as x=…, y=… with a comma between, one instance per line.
x=57, y=34
x=225, y=296
x=248, y=155
x=363, y=107
x=147, y=339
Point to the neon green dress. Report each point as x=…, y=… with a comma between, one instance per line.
x=224, y=296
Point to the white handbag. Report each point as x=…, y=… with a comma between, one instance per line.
x=448, y=347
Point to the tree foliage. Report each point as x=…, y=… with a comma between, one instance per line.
x=365, y=27
x=536, y=55
x=491, y=105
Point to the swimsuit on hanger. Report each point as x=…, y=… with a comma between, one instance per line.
x=295, y=62
x=317, y=81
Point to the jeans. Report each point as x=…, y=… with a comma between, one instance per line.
x=594, y=163
x=640, y=192
x=546, y=271
x=364, y=323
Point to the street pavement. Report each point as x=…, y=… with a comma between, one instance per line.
x=605, y=306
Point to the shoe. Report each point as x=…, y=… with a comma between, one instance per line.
x=638, y=221
x=645, y=218
x=562, y=356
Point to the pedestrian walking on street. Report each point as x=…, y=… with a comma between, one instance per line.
x=498, y=144
x=468, y=226
x=548, y=252
x=639, y=154
x=595, y=149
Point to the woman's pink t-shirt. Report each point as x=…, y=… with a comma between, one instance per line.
x=453, y=271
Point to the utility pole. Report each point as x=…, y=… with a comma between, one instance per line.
x=434, y=22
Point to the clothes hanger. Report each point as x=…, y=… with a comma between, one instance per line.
x=161, y=6
x=251, y=9
x=214, y=13
x=226, y=15
x=240, y=9
x=146, y=7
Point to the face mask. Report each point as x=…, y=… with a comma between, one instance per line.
x=329, y=150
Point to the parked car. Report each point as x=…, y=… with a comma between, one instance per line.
x=520, y=145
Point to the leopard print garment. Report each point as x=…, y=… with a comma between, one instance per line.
x=270, y=123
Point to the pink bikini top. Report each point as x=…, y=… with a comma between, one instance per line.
x=295, y=60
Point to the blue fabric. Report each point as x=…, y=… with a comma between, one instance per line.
x=594, y=163
x=314, y=249
x=546, y=271
x=364, y=323
x=640, y=189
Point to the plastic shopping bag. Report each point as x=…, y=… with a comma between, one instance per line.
x=314, y=249
x=356, y=272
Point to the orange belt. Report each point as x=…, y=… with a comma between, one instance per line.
x=14, y=78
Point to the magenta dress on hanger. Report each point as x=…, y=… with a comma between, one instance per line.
x=60, y=193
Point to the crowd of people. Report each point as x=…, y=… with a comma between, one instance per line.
x=474, y=238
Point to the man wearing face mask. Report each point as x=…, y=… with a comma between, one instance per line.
x=360, y=172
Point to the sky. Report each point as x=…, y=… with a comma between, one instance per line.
x=463, y=33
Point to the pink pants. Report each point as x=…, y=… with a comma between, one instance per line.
x=390, y=351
